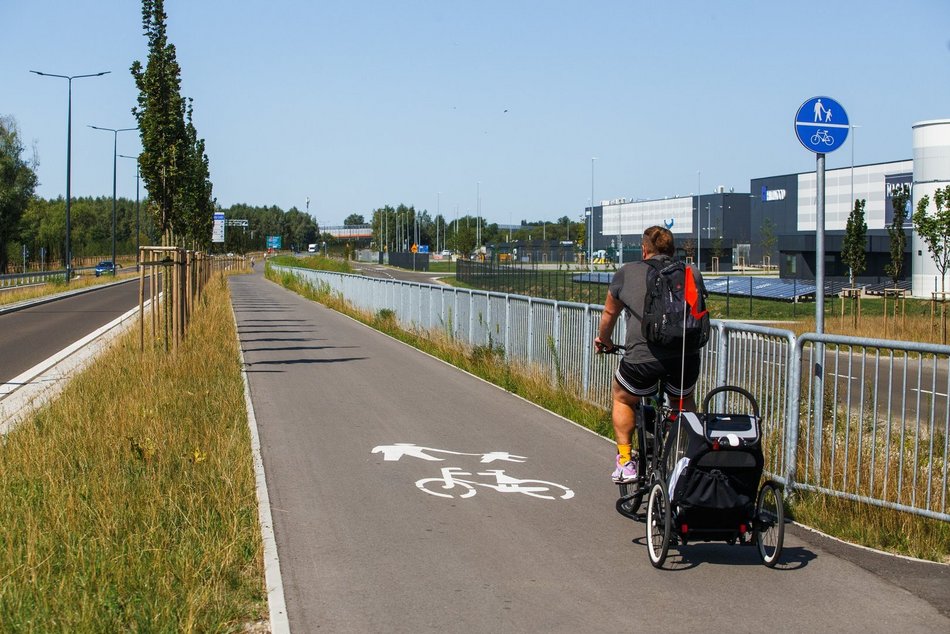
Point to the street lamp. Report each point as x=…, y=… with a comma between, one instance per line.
x=69, y=137
x=137, y=231
x=590, y=230
x=115, y=147
x=699, y=222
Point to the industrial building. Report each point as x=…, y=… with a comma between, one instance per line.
x=773, y=223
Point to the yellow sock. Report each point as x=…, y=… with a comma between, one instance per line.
x=624, y=451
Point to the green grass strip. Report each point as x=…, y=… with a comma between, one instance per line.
x=129, y=504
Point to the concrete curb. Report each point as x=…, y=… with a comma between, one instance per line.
x=279, y=621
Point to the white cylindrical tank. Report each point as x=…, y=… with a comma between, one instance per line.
x=931, y=172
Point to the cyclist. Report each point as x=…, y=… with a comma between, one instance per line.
x=643, y=363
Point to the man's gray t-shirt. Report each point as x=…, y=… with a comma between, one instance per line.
x=629, y=286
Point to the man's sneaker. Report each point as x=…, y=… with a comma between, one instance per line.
x=625, y=472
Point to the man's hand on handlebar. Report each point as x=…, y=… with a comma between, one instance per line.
x=606, y=346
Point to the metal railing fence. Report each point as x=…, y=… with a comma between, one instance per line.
x=33, y=277
x=878, y=434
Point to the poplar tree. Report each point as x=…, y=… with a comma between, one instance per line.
x=173, y=163
x=854, y=247
x=896, y=233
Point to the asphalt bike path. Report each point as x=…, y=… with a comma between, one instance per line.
x=360, y=437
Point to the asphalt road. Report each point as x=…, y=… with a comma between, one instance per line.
x=33, y=334
x=363, y=548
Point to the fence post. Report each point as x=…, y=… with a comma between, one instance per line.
x=793, y=394
x=530, y=331
x=557, y=339
x=471, y=318
x=586, y=344
x=508, y=325
x=722, y=353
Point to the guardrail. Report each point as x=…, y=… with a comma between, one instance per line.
x=33, y=277
x=12, y=280
x=878, y=433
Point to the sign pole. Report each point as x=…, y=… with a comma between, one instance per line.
x=819, y=308
x=821, y=125
x=820, y=244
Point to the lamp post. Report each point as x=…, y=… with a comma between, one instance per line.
x=590, y=229
x=69, y=137
x=137, y=231
x=699, y=210
x=478, y=217
x=115, y=154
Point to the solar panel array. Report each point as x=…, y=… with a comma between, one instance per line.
x=743, y=286
x=878, y=289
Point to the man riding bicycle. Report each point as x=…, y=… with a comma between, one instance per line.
x=644, y=363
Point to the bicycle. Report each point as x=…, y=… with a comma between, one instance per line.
x=451, y=485
x=822, y=136
x=650, y=440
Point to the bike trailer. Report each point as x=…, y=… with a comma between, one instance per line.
x=714, y=462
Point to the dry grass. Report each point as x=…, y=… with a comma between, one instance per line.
x=129, y=504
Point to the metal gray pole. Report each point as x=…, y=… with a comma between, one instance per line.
x=819, y=310
x=115, y=161
x=820, y=245
x=69, y=151
x=699, y=229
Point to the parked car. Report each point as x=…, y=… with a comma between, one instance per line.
x=446, y=253
x=106, y=266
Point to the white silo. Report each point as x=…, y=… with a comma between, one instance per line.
x=931, y=172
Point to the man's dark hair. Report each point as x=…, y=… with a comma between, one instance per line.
x=660, y=239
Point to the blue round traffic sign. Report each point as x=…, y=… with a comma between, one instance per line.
x=821, y=125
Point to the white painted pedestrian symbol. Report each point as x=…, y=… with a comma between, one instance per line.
x=400, y=449
x=455, y=482
x=819, y=110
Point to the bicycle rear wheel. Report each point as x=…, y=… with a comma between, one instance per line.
x=769, y=523
x=658, y=524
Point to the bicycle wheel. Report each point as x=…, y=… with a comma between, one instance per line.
x=769, y=523
x=446, y=489
x=815, y=139
x=544, y=490
x=658, y=524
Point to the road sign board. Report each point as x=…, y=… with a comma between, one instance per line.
x=273, y=242
x=821, y=125
x=217, y=227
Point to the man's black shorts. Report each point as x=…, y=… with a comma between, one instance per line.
x=640, y=379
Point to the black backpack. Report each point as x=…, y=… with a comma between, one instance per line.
x=665, y=308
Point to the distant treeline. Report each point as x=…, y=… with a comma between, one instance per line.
x=42, y=229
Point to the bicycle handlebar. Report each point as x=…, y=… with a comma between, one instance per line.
x=616, y=349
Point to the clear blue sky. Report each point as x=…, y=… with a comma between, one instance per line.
x=359, y=104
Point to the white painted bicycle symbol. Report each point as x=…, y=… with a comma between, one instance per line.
x=453, y=485
x=450, y=485
x=822, y=136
